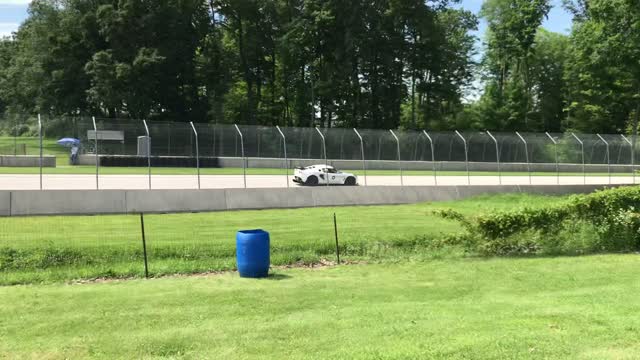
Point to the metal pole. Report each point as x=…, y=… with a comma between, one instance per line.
x=608, y=157
x=146, y=129
x=40, y=137
x=244, y=165
x=399, y=157
x=324, y=147
x=364, y=164
x=433, y=158
x=335, y=229
x=286, y=160
x=526, y=153
x=633, y=171
x=95, y=132
x=195, y=132
x=555, y=147
x=497, y=157
x=584, y=171
x=144, y=247
x=466, y=156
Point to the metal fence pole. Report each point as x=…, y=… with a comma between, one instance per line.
x=555, y=148
x=95, y=135
x=195, y=132
x=399, y=157
x=244, y=165
x=633, y=171
x=497, y=156
x=526, y=153
x=466, y=156
x=584, y=171
x=15, y=138
x=286, y=160
x=40, y=139
x=364, y=164
x=324, y=148
x=146, y=129
x=608, y=156
x=433, y=158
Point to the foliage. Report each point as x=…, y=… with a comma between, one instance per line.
x=607, y=219
x=294, y=62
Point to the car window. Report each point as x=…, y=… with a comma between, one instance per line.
x=333, y=171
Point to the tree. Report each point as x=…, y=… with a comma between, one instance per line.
x=604, y=67
x=513, y=25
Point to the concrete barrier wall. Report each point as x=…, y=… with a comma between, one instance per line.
x=261, y=163
x=90, y=202
x=27, y=161
x=276, y=163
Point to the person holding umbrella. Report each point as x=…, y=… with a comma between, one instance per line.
x=74, y=144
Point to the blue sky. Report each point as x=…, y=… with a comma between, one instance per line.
x=13, y=12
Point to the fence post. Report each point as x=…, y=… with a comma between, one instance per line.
x=633, y=171
x=144, y=247
x=15, y=138
x=335, y=229
x=555, y=147
x=146, y=130
x=95, y=134
x=497, y=156
x=399, y=157
x=608, y=157
x=324, y=148
x=466, y=156
x=526, y=153
x=364, y=164
x=195, y=132
x=40, y=140
x=244, y=165
x=584, y=171
x=433, y=158
x=286, y=160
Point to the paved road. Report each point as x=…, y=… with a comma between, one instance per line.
x=78, y=182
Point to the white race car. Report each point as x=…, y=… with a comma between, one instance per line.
x=320, y=174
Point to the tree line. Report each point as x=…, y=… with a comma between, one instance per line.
x=361, y=63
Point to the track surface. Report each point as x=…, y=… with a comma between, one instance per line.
x=88, y=182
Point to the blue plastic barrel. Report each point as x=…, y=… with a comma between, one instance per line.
x=252, y=253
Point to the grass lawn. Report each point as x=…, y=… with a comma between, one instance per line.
x=545, y=308
x=44, y=249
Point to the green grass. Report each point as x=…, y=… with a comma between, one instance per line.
x=32, y=146
x=44, y=249
x=553, y=308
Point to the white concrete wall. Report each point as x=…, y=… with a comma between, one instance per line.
x=85, y=202
x=274, y=163
x=27, y=161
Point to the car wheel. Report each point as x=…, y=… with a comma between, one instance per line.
x=312, y=181
x=351, y=181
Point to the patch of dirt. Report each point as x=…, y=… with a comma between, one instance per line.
x=322, y=264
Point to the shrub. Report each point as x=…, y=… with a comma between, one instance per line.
x=605, y=221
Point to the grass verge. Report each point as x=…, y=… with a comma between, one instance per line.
x=45, y=249
x=545, y=308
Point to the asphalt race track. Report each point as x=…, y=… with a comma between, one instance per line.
x=88, y=182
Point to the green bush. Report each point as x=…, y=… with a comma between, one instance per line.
x=605, y=221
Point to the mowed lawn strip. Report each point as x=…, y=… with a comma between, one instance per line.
x=34, y=249
x=545, y=308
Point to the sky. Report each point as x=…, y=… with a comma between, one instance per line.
x=13, y=12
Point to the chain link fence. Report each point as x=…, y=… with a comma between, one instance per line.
x=133, y=143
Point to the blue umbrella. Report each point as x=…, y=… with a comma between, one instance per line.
x=68, y=142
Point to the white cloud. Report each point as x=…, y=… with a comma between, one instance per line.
x=7, y=28
x=15, y=2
